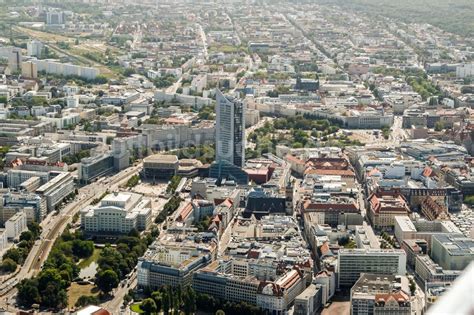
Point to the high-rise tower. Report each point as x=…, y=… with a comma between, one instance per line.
x=230, y=130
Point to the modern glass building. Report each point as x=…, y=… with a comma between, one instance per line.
x=94, y=167
x=230, y=130
x=226, y=170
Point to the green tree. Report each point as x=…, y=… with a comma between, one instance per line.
x=27, y=236
x=53, y=296
x=469, y=199
x=148, y=306
x=85, y=300
x=189, y=301
x=166, y=302
x=106, y=280
x=439, y=125
x=82, y=249
x=412, y=287
x=174, y=182
x=8, y=265
x=28, y=293
x=14, y=254
x=49, y=276
x=158, y=298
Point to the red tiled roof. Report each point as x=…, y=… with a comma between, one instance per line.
x=294, y=159
x=185, y=212
x=428, y=172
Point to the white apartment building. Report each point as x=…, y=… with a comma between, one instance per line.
x=117, y=213
x=16, y=225
x=464, y=71
x=14, y=56
x=35, y=48
x=54, y=67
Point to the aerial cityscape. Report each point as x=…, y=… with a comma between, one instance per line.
x=234, y=157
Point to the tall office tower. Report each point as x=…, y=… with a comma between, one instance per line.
x=230, y=130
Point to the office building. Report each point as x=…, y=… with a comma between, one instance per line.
x=465, y=70
x=171, y=265
x=427, y=271
x=365, y=237
x=224, y=286
x=230, y=280
x=95, y=167
x=452, y=251
x=56, y=190
x=404, y=228
x=33, y=205
x=309, y=301
x=117, y=213
x=160, y=166
x=16, y=225
x=230, y=130
x=413, y=248
x=224, y=170
x=353, y=262
x=381, y=294
x=16, y=177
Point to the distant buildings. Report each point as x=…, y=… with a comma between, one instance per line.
x=29, y=70
x=117, y=213
x=55, y=18
x=64, y=69
x=465, y=70
x=13, y=55
x=35, y=48
x=230, y=130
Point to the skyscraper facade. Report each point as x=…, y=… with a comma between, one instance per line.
x=230, y=130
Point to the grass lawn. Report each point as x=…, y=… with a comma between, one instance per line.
x=135, y=307
x=76, y=290
x=86, y=262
